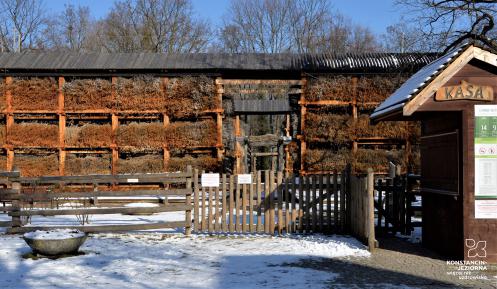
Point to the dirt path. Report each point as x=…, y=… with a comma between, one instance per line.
x=399, y=263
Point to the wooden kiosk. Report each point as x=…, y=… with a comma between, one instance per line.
x=455, y=100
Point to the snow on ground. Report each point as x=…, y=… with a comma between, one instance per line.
x=156, y=260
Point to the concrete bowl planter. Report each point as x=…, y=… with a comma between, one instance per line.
x=140, y=205
x=55, y=242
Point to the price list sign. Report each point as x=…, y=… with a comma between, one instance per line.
x=486, y=161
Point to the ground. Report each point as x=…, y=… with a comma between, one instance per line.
x=168, y=259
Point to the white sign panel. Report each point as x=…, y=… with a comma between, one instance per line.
x=486, y=161
x=210, y=180
x=485, y=209
x=244, y=179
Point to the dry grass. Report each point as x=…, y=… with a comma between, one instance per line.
x=2, y=134
x=3, y=99
x=87, y=165
x=377, y=88
x=34, y=93
x=141, y=135
x=191, y=134
x=3, y=162
x=188, y=96
x=377, y=159
x=140, y=93
x=35, y=166
x=206, y=163
x=328, y=127
x=385, y=129
x=141, y=164
x=88, y=135
x=82, y=94
x=327, y=160
x=34, y=134
x=330, y=88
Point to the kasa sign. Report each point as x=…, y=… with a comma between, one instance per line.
x=466, y=91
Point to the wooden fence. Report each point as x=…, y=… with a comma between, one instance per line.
x=272, y=203
x=361, y=209
x=27, y=195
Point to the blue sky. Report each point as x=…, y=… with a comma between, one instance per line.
x=375, y=14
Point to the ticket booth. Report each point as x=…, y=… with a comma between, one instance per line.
x=455, y=100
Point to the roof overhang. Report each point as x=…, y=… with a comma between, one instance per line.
x=424, y=84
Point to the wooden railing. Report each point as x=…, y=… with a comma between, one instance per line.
x=28, y=195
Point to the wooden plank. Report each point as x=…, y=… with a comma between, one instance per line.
x=380, y=204
x=101, y=211
x=237, y=208
x=216, y=210
x=321, y=196
x=232, y=204
x=223, y=208
x=301, y=204
x=244, y=208
x=307, y=213
x=342, y=201
x=329, y=193
x=314, y=203
x=287, y=203
x=293, y=216
x=210, y=227
x=16, y=206
x=94, y=194
x=251, y=206
x=5, y=224
x=289, y=82
x=271, y=193
x=335, y=201
x=203, y=209
x=13, y=174
x=370, y=211
x=102, y=228
x=90, y=179
x=280, y=192
x=266, y=202
x=259, y=202
x=196, y=201
x=188, y=202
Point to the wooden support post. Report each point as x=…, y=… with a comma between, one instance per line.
x=9, y=121
x=196, y=199
x=62, y=161
x=335, y=201
x=280, y=192
x=219, y=118
x=266, y=202
x=288, y=169
x=223, y=212
x=231, y=204
x=115, y=152
x=238, y=147
x=303, y=111
x=271, y=192
x=354, y=117
x=259, y=201
x=165, y=149
x=251, y=204
x=287, y=203
x=188, y=202
x=10, y=159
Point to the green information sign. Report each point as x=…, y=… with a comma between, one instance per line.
x=486, y=161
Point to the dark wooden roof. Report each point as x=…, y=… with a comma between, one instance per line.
x=71, y=61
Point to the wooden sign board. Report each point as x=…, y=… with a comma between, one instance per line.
x=465, y=91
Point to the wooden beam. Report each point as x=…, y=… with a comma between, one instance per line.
x=444, y=76
x=60, y=94
x=258, y=81
x=101, y=228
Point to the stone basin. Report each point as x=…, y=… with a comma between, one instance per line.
x=55, y=242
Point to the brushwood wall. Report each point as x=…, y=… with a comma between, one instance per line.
x=72, y=125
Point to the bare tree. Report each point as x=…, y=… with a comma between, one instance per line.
x=70, y=29
x=448, y=23
x=403, y=37
x=154, y=25
x=21, y=24
x=304, y=26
